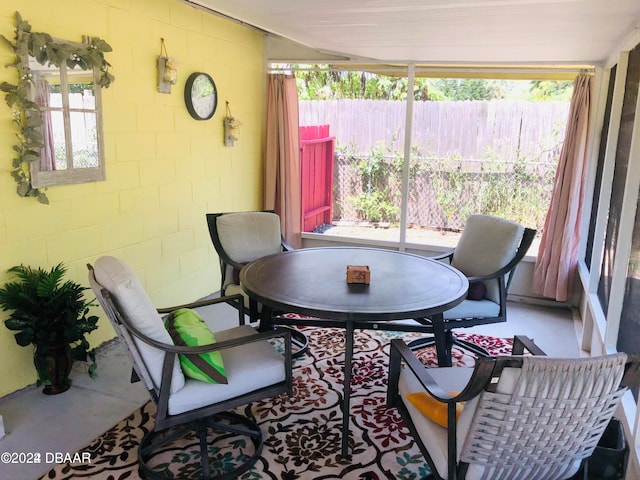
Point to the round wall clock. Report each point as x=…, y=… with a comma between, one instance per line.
x=201, y=96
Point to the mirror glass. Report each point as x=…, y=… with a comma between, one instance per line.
x=71, y=126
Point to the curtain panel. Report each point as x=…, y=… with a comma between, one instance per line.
x=558, y=255
x=282, y=156
x=48, y=151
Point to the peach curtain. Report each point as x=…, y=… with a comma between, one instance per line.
x=557, y=258
x=282, y=156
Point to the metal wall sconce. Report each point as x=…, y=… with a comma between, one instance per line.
x=231, y=128
x=167, y=70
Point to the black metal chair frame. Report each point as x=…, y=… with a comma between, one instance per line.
x=298, y=338
x=215, y=417
x=504, y=276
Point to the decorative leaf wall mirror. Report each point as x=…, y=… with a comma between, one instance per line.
x=57, y=110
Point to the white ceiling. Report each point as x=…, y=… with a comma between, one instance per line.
x=446, y=31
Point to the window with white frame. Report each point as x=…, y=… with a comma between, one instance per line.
x=621, y=168
x=612, y=253
x=597, y=188
x=628, y=338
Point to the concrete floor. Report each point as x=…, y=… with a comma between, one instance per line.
x=64, y=423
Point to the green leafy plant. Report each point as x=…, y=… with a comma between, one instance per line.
x=374, y=207
x=379, y=176
x=47, y=312
x=451, y=186
x=27, y=115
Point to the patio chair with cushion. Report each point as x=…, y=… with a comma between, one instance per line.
x=195, y=373
x=488, y=252
x=524, y=417
x=240, y=238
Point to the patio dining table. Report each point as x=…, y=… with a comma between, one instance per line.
x=312, y=283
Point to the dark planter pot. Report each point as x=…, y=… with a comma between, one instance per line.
x=53, y=365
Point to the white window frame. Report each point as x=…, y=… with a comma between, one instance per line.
x=600, y=329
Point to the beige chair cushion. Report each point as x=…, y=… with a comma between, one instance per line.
x=247, y=236
x=473, y=309
x=486, y=245
x=240, y=366
x=131, y=298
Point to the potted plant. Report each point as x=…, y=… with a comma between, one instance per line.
x=53, y=316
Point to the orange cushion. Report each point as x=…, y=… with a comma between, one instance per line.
x=431, y=408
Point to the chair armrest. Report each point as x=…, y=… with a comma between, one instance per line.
x=484, y=278
x=235, y=342
x=400, y=351
x=285, y=246
x=236, y=299
x=203, y=303
x=631, y=377
x=489, y=276
x=211, y=347
x=483, y=371
x=522, y=343
x=442, y=256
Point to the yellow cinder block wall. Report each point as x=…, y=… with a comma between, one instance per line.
x=164, y=169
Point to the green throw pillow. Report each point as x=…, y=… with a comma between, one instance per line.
x=187, y=328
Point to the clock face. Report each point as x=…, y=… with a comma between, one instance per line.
x=201, y=96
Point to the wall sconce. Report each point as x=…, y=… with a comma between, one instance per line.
x=231, y=128
x=167, y=70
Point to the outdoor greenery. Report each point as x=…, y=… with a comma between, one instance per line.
x=519, y=190
x=376, y=202
x=323, y=83
x=27, y=115
x=450, y=186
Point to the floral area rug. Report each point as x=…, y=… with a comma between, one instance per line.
x=302, y=434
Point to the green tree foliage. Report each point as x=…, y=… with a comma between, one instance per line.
x=331, y=84
x=327, y=84
x=323, y=83
x=379, y=172
x=458, y=89
x=542, y=90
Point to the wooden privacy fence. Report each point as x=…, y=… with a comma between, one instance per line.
x=316, y=174
x=506, y=130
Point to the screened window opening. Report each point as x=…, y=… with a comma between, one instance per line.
x=478, y=146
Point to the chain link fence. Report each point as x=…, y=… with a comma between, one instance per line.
x=442, y=192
